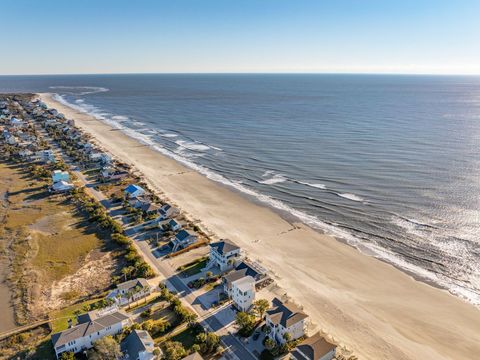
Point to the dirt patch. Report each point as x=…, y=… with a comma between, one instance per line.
x=91, y=278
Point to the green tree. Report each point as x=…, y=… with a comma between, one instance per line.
x=174, y=350
x=68, y=355
x=246, y=322
x=105, y=348
x=260, y=306
x=270, y=344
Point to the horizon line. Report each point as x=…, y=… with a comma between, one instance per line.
x=249, y=73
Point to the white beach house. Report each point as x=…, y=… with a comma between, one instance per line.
x=90, y=327
x=224, y=254
x=134, y=191
x=314, y=348
x=285, y=318
x=168, y=211
x=183, y=239
x=243, y=293
x=131, y=290
x=61, y=186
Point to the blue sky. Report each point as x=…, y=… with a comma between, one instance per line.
x=118, y=36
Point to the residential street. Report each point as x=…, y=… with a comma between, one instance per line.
x=209, y=319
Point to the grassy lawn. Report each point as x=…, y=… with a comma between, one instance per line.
x=68, y=313
x=195, y=268
x=61, y=253
x=186, y=337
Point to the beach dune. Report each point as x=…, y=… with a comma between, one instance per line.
x=369, y=306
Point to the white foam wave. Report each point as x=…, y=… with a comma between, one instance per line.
x=268, y=173
x=169, y=135
x=79, y=101
x=192, y=145
x=120, y=117
x=82, y=90
x=277, y=178
x=369, y=248
x=352, y=197
x=318, y=186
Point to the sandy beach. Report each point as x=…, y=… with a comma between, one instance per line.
x=365, y=304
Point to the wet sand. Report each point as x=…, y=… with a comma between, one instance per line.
x=371, y=307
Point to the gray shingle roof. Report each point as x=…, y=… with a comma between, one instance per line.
x=88, y=327
x=137, y=341
x=285, y=314
x=224, y=246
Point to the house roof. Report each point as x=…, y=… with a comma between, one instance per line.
x=194, y=356
x=149, y=207
x=249, y=270
x=136, y=342
x=130, y=284
x=88, y=327
x=285, y=314
x=224, y=246
x=182, y=235
x=172, y=222
x=245, y=283
x=314, y=347
x=132, y=188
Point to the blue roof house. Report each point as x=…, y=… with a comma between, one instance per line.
x=134, y=191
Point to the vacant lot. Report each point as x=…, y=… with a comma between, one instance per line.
x=54, y=255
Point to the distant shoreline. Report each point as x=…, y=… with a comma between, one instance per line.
x=377, y=310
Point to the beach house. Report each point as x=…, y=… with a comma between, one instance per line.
x=46, y=156
x=61, y=186
x=59, y=175
x=285, y=318
x=168, y=211
x=174, y=225
x=131, y=290
x=90, y=327
x=139, y=345
x=314, y=348
x=133, y=191
x=183, y=239
x=224, y=254
x=150, y=208
x=242, y=270
x=243, y=293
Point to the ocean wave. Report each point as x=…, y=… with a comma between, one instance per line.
x=194, y=146
x=169, y=135
x=119, y=117
x=277, y=178
x=318, y=186
x=352, y=197
x=79, y=101
x=72, y=90
x=268, y=173
x=367, y=247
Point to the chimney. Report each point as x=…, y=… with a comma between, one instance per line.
x=70, y=322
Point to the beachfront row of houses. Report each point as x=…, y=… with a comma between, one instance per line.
x=285, y=320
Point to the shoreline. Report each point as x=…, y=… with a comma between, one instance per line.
x=375, y=309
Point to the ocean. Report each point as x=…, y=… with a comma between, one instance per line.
x=388, y=163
